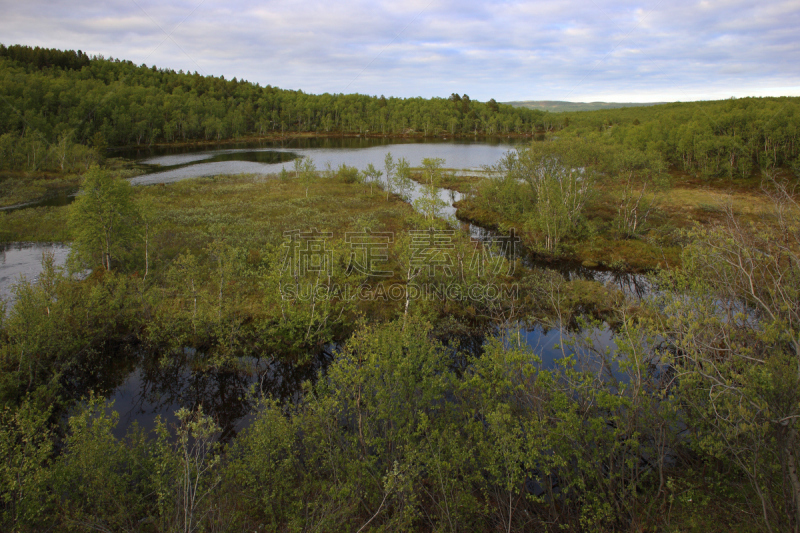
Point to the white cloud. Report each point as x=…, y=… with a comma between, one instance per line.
x=610, y=50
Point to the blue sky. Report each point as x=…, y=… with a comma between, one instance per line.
x=570, y=50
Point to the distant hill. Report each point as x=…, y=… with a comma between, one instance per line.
x=557, y=106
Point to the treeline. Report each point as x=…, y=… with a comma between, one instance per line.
x=33, y=151
x=713, y=139
x=46, y=57
x=53, y=95
x=56, y=93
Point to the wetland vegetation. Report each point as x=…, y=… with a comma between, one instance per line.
x=327, y=352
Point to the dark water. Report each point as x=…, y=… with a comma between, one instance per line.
x=144, y=385
x=55, y=200
x=147, y=386
x=157, y=386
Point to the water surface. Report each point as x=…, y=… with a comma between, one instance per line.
x=24, y=259
x=462, y=155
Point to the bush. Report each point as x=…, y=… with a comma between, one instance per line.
x=347, y=174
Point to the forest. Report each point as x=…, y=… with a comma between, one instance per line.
x=117, y=103
x=671, y=408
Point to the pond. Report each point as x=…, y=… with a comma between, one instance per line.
x=146, y=385
x=157, y=387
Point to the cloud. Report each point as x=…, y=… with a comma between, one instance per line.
x=509, y=50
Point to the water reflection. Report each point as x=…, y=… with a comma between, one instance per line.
x=159, y=386
x=311, y=143
x=632, y=284
x=63, y=198
x=589, y=348
x=272, y=159
x=145, y=385
x=264, y=157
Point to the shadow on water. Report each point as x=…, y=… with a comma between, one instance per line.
x=263, y=157
x=55, y=200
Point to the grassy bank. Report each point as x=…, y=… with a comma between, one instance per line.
x=687, y=203
x=25, y=187
x=35, y=224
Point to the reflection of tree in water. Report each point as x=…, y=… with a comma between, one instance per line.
x=169, y=384
x=225, y=392
x=284, y=381
x=99, y=370
x=632, y=284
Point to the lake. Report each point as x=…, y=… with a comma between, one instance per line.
x=179, y=165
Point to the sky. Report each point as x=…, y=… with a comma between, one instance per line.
x=591, y=50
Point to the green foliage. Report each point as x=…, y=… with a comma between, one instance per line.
x=733, y=318
x=102, y=482
x=46, y=57
x=306, y=307
x=389, y=165
x=26, y=445
x=162, y=481
x=197, y=448
x=101, y=220
x=347, y=174
x=722, y=139
x=371, y=176
x=264, y=467
x=429, y=204
x=545, y=186
x=24, y=188
x=55, y=327
x=33, y=152
x=402, y=182
x=139, y=105
x=402, y=432
x=35, y=224
x=308, y=172
x=643, y=175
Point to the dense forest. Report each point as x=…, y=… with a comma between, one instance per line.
x=56, y=100
x=721, y=138
x=670, y=408
x=52, y=94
